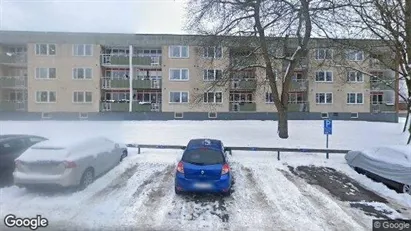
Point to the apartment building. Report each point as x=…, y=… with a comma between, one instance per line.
x=124, y=76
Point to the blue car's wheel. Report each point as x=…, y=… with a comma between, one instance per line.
x=176, y=191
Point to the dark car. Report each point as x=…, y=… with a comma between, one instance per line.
x=12, y=146
x=204, y=168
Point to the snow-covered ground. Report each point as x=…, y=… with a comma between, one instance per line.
x=139, y=192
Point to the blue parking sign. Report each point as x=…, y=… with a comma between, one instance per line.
x=328, y=127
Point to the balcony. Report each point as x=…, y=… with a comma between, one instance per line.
x=14, y=82
x=298, y=107
x=299, y=85
x=143, y=61
x=243, y=107
x=237, y=62
x=244, y=84
x=12, y=106
x=382, y=107
x=124, y=107
x=14, y=59
x=107, y=83
x=382, y=85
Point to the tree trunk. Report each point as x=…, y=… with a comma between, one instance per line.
x=282, y=123
x=407, y=118
x=409, y=135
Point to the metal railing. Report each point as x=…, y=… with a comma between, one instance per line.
x=253, y=149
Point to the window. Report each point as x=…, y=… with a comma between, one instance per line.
x=377, y=76
x=324, y=115
x=354, y=115
x=203, y=156
x=355, y=76
x=354, y=55
x=269, y=97
x=178, y=115
x=324, y=98
x=212, y=115
x=178, y=52
x=296, y=97
x=82, y=73
x=212, y=75
x=45, y=49
x=45, y=73
x=298, y=77
x=82, y=97
x=324, y=76
x=213, y=52
x=34, y=140
x=241, y=97
x=355, y=98
x=213, y=97
x=179, y=74
x=83, y=115
x=179, y=97
x=83, y=50
x=323, y=53
x=377, y=98
x=45, y=96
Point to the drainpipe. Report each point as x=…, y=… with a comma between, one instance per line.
x=130, y=66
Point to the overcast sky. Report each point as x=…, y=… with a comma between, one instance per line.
x=122, y=16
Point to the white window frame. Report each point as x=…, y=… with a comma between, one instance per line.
x=206, y=50
x=206, y=78
x=181, y=74
x=48, y=72
x=178, y=117
x=325, y=98
x=180, y=47
x=84, y=97
x=357, y=74
x=84, y=70
x=214, y=97
x=318, y=50
x=355, y=98
x=75, y=46
x=357, y=52
x=48, y=96
x=212, y=117
x=48, y=49
x=325, y=77
x=355, y=115
x=181, y=97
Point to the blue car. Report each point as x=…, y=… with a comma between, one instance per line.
x=203, y=168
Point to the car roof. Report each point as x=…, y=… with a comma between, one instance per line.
x=16, y=136
x=204, y=143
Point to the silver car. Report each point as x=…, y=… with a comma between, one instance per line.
x=65, y=164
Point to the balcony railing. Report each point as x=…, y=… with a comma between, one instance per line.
x=13, y=82
x=244, y=84
x=13, y=58
x=122, y=60
x=377, y=107
x=298, y=107
x=243, y=106
x=12, y=105
x=382, y=85
x=124, y=106
x=299, y=85
x=107, y=83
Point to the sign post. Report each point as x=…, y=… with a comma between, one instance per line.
x=328, y=130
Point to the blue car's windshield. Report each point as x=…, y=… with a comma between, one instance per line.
x=203, y=157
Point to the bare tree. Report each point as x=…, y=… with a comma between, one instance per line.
x=389, y=21
x=276, y=33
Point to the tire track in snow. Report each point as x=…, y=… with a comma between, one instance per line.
x=156, y=199
x=249, y=198
x=332, y=220
x=295, y=208
x=196, y=211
